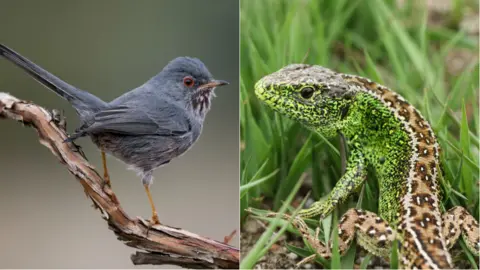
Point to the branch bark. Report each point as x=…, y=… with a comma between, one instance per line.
x=161, y=244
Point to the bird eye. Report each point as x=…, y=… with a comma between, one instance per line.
x=188, y=81
x=307, y=92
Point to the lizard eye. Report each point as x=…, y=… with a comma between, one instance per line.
x=307, y=92
x=188, y=81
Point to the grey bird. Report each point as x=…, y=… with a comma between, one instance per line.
x=145, y=127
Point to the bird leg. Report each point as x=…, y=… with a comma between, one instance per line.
x=154, y=211
x=106, y=177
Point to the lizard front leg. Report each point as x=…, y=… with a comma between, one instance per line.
x=458, y=221
x=373, y=233
x=352, y=179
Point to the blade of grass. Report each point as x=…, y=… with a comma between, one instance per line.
x=258, y=250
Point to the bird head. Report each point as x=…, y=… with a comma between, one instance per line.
x=191, y=81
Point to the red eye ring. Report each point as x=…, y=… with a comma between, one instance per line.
x=188, y=81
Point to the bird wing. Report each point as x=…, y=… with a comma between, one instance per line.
x=163, y=119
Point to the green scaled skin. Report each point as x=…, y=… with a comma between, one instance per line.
x=375, y=138
x=385, y=132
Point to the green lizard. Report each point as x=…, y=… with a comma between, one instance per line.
x=387, y=133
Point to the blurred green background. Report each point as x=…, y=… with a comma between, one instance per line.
x=107, y=48
x=425, y=50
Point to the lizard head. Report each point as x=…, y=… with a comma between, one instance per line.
x=313, y=95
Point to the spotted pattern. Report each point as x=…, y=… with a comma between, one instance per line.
x=409, y=198
x=457, y=221
x=420, y=199
x=372, y=232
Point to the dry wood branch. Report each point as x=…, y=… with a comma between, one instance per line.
x=162, y=244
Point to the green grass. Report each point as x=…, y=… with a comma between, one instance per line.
x=371, y=38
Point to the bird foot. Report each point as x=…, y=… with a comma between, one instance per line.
x=106, y=179
x=152, y=222
x=154, y=219
x=229, y=237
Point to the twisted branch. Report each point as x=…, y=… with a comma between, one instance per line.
x=160, y=244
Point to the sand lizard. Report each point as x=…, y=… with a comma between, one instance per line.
x=387, y=133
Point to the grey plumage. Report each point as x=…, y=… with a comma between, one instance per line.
x=146, y=127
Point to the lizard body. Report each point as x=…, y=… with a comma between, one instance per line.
x=385, y=132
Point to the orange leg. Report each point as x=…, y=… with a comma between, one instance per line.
x=154, y=212
x=106, y=177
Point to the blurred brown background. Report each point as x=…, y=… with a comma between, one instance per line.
x=108, y=48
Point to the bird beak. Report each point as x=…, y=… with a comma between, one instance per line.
x=213, y=84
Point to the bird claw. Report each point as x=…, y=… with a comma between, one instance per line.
x=152, y=222
x=155, y=220
x=229, y=237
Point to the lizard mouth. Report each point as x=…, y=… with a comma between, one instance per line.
x=287, y=105
x=271, y=98
x=266, y=94
x=261, y=91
